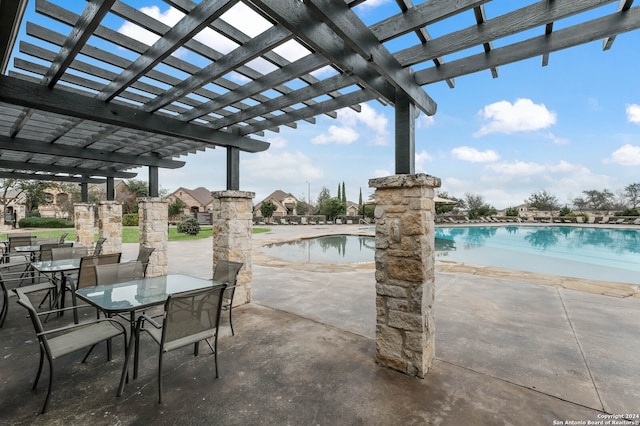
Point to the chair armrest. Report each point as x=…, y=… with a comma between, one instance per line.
x=55, y=311
x=142, y=318
x=84, y=324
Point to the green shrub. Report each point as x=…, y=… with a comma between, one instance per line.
x=44, y=222
x=130, y=219
x=189, y=226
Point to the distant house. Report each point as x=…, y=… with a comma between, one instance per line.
x=353, y=209
x=285, y=204
x=197, y=200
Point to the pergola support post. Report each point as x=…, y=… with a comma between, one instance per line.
x=154, y=182
x=232, y=232
x=405, y=277
x=153, y=216
x=233, y=169
x=110, y=226
x=405, y=115
x=111, y=190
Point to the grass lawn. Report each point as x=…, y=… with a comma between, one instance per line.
x=130, y=234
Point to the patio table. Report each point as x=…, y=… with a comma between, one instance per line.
x=63, y=266
x=132, y=296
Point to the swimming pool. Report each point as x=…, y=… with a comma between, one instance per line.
x=326, y=249
x=606, y=254
x=583, y=252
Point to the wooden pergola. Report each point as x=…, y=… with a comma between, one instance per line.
x=90, y=103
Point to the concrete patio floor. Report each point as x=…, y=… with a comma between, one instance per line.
x=507, y=352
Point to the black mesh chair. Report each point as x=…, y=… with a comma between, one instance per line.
x=189, y=317
x=63, y=237
x=119, y=272
x=144, y=254
x=226, y=272
x=12, y=277
x=97, y=251
x=87, y=274
x=69, y=339
x=64, y=252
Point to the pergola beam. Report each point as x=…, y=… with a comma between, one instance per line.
x=357, y=36
x=186, y=28
x=526, y=18
x=11, y=13
x=606, y=26
x=91, y=17
x=52, y=168
x=53, y=178
x=25, y=145
x=297, y=17
x=19, y=92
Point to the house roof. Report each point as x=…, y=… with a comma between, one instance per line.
x=93, y=102
x=202, y=194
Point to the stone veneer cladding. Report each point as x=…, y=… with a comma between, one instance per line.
x=153, y=219
x=110, y=226
x=405, y=280
x=84, y=222
x=232, y=236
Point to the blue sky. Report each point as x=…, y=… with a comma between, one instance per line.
x=571, y=126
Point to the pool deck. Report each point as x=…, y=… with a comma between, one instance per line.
x=508, y=352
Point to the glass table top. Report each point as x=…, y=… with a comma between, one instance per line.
x=56, y=265
x=137, y=294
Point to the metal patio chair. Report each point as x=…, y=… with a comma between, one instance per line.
x=119, y=272
x=180, y=327
x=12, y=277
x=68, y=339
x=144, y=254
x=226, y=272
x=97, y=251
x=87, y=274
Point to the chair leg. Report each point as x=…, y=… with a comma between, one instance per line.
x=230, y=320
x=215, y=355
x=89, y=352
x=46, y=401
x=196, y=348
x=35, y=382
x=160, y=377
x=5, y=308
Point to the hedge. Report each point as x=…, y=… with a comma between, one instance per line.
x=130, y=219
x=44, y=222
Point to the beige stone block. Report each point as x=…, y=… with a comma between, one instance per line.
x=406, y=269
x=388, y=341
x=394, y=363
x=415, y=341
x=405, y=321
x=413, y=223
x=401, y=305
x=391, y=291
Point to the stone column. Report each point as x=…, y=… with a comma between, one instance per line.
x=232, y=233
x=153, y=214
x=405, y=277
x=84, y=222
x=110, y=226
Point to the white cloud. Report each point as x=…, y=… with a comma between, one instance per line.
x=291, y=50
x=557, y=139
x=169, y=17
x=421, y=158
x=353, y=124
x=425, y=121
x=626, y=155
x=273, y=169
x=633, y=113
x=467, y=153
x=277, y=142
x=245, y=19
x=339, y=135
x=521, y=116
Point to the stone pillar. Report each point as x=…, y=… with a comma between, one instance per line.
x=232, y=234
x=110, y=226
x=405, y=280
x=153, y=214
x=84, y=222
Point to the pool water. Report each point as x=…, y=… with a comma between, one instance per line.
x=604, y=254
x=592, y=253
x=326, y=249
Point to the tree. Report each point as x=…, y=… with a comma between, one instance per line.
x=134, y=189
x=302, y=208
x=473, y=201
x=177, y=207
x=477, y=207
x=267, y=208
x=632, y=194
x=598, y=200
x=339, y=195
x=360, y=205
x=323, y=196
x=35, y=194
x=332, y=208
x=543, y=201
